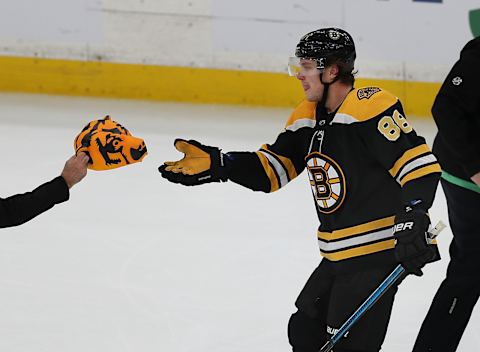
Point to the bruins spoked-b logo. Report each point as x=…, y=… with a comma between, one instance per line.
x=327, y=182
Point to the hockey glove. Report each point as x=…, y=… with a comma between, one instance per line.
x=201, y=164
x=414, y=248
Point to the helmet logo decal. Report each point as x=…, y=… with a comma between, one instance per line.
x=334, y=35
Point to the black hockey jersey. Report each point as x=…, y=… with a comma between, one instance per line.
x=362, y=162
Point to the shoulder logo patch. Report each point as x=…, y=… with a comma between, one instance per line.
x=457, y=81
x=366, y=93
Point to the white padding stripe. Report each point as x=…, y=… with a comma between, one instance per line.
x=415, y=163
x=343, y=119
x=282, y=173
x=349, y=242
x=301, y=123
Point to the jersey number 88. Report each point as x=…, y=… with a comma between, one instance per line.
x=392, y=126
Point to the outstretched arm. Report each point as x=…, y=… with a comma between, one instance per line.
x=20, y=208
x=266, y=170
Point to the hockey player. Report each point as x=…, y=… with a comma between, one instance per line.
x=20, y=208
x=457, y=114
x=368, y=171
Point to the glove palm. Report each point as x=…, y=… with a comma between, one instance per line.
x=195, y=160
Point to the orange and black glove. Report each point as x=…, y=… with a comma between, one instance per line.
x=200, y=164
x=414, y=248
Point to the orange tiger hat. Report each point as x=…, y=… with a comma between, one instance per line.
x=109, y=145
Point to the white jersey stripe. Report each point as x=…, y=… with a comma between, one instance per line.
x=415, y=163
x=282, y=173
x=349, y=242
x=301, y=123
x=343, y=119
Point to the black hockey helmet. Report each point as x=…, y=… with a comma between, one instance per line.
x=326, y=44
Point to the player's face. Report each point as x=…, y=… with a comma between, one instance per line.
x=309, y=76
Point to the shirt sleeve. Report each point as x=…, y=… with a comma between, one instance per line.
x=456, y=112
x=20, y=208
x=274, y=165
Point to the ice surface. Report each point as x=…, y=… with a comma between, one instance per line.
x=134, y=263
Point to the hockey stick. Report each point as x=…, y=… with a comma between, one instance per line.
x=375, y=296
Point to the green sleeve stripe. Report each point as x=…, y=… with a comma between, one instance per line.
x=460, y=182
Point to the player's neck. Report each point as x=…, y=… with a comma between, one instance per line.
x=336, y=95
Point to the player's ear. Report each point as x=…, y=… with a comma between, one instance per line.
x=332, y=72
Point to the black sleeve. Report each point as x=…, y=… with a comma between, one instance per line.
x=404, y=155
x=423, y=188
x=247, y=171
x=20, y=208
x=456, y=111
x=272, y=166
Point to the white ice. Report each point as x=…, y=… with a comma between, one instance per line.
x=134, y=263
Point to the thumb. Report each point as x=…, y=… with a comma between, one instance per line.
x=186, y=148
x=83, y=158
x=181, y=145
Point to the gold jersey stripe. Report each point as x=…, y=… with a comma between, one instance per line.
x=429, y=169
x=356, y=230
x=407, y=156
x=286, y=163
x=359, y=251
x=269, y=171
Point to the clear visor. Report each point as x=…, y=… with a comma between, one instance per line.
x=305, y=67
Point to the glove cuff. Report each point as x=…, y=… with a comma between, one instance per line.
x=224, y=167
x=222, y=164
x=414, y=205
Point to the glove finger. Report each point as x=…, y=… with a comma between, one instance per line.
x=183, y=146
x=165, y=174
x=414, y=268
x=169, y=167
x=175, y=177
x=175, y=169
x=174, y=166
x=168, y=171
x=417, y=272
x=180, y=178
x=188, y=171
x=191, y=150
x=178, y=140
x=195, y=143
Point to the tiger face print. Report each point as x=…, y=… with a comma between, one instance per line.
x=109, y=145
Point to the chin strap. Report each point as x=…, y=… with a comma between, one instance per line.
x=325, y=90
